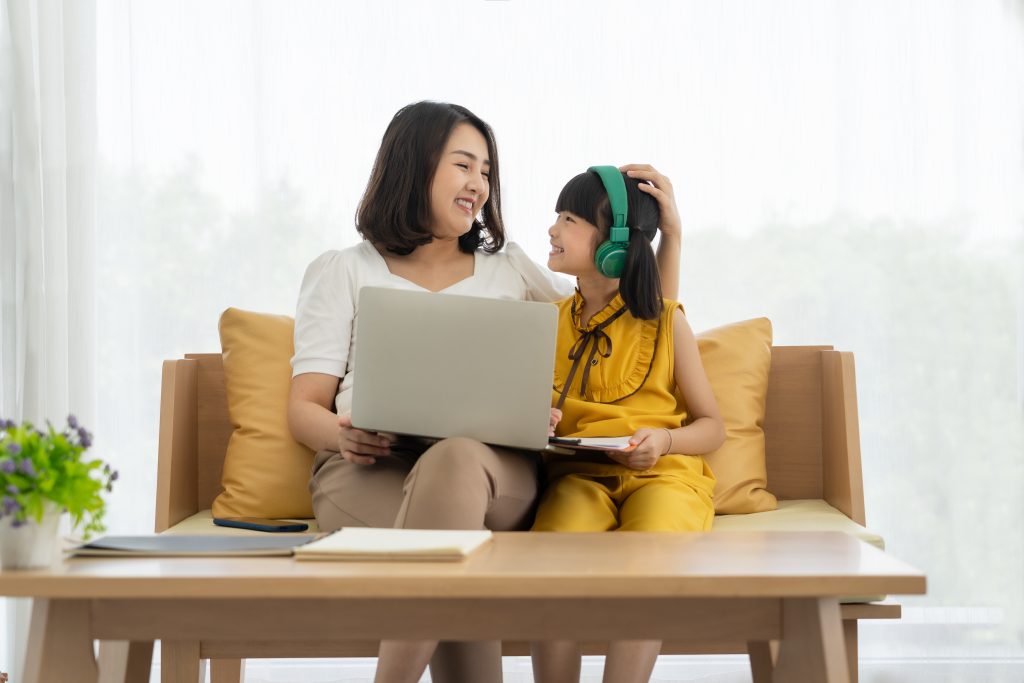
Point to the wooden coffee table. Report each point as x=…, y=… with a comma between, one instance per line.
x=753, y=587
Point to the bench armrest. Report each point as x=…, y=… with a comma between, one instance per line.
x=177, y=465
x=843, y=481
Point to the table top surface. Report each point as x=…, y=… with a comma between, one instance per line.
x=513, y=565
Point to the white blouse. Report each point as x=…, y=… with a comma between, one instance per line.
x=328, y=301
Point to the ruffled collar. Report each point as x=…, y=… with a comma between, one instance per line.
x=608, y=311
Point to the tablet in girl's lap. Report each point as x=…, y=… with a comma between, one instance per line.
x=443, y=365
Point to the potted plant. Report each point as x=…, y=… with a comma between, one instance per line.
x=42, y=475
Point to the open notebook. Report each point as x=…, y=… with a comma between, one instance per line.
x=355, y=543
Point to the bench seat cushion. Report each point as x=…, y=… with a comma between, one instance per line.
x=791, y=515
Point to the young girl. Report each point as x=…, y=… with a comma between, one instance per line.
x=626, y=364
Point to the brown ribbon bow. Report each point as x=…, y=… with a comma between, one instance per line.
x=599, y=343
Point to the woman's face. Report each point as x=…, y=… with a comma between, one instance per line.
x=573, y=243
x=461, y=184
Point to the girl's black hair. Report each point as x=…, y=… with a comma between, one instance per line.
x=640, y=284
x=395, y=209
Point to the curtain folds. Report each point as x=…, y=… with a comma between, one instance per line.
x=47, y=223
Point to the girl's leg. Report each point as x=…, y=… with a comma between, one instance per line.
x=556, y=661
x=630, y=661
x=403, y=661
x=571, y=503
x=664, y=503
x=658, y=503
x=460, y=483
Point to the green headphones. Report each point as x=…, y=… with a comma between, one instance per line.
x=610, y=256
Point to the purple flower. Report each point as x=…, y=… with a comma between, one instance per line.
x=114, y=476
x=72, y=422
x=10, y=505
x=12, y=489
x=27, y=469
x=14, y=448
x=7, y=467
x=17, y=523
x=7, y=424
x=84, y=437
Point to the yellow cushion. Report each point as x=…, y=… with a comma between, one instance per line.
x=266, y=471
x=737, y=358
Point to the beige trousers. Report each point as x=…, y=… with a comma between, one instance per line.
x=456, y=483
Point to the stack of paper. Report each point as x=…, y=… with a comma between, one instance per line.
x=181, y=545
x=356, y=543
x=594, y=443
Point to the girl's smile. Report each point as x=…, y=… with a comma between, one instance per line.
x=573, y=241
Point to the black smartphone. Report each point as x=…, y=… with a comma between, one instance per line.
x=260, y=524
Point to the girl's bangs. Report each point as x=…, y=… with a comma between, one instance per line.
x=586, y=197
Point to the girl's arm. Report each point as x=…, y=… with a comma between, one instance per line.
x=670, y=242
x=706, y=432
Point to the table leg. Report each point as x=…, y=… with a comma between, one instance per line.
x=125, y=661
x=850, y=635
x=60, y=643
x=227, y=671
x=812, y=648
x=180, y=663
x=763, y=654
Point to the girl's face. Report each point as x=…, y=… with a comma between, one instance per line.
x=461, y=183
x=573, y=243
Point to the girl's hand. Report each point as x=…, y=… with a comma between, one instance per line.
x=556, y=416
x=650, y=444
x=360, y=447
x=661, y=189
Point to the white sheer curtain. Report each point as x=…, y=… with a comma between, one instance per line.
x=47, y=224
x=851, y=170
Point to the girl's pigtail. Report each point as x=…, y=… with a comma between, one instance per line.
x=640, y=283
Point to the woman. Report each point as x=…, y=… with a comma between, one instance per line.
x=431, y=220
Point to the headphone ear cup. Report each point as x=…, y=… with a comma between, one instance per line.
x=610, y=258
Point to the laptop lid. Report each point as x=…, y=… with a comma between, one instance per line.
x=443, y=365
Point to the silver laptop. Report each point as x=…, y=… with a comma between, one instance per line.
x=443, y=365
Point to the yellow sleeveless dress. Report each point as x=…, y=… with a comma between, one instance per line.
x=623, y=381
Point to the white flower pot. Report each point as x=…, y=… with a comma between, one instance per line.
x=31, y=545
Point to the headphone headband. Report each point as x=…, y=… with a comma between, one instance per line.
x=615, y=186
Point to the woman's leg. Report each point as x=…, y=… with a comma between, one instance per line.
x=556, y=661
x=460, y=483
x=630, y=661
x=346, y=494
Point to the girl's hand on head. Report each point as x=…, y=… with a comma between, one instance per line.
x=361, y=447
x=556, y=416
x=660, y=188
x=650, y=444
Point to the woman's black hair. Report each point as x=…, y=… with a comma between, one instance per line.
x=640, y=284
x=394, y=212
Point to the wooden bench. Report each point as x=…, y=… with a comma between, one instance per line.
x=813, y=454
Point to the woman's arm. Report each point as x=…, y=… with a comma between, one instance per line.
x=310, y=418
x=314, y=424
x=670, y=242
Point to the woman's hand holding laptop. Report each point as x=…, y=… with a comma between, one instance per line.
x=361, y=447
